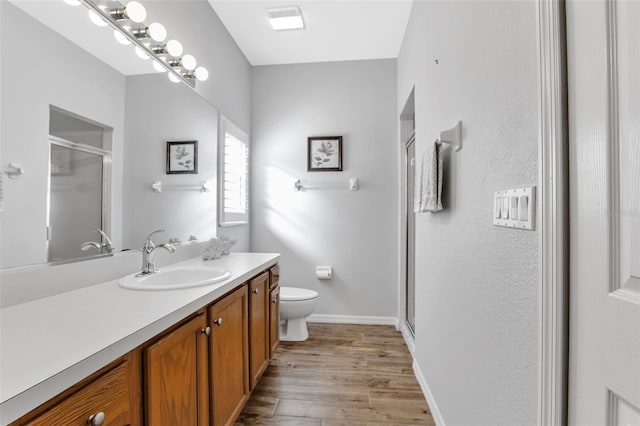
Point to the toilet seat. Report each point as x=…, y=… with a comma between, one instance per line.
x=292, y=294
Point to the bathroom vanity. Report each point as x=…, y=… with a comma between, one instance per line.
x=107, y=355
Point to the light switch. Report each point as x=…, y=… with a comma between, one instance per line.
x=514, y=208
x=505, y=208
x=524, y=208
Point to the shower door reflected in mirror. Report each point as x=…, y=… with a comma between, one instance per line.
x=77, y=206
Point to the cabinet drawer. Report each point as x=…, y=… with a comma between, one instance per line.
x=109, y=394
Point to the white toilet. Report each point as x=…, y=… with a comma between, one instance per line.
x=296, y=304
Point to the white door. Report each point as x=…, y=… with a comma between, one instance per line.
x=603, y=51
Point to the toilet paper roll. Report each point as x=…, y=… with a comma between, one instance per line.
x=324, y=272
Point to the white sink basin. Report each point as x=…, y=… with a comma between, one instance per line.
x=173, y=278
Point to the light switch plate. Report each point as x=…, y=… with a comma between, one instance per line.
x=516, y=208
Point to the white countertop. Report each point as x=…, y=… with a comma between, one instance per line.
x=49, y=344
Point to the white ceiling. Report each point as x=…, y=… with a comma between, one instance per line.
x=335, y=30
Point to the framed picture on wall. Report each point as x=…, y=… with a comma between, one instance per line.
x=324, y=154
x=182, y=157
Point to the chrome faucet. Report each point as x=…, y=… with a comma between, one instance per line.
x=148, y=254
x=105, y=245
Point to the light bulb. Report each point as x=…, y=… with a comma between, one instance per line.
x=157, y=32
x=141, y=53
x=135, y=11
x=72, y=2
x=201, y=73
x=121, y=38
x=97, y=19
x=174, y=78
x=174, y=48
x=158, y=67
x=189, y=62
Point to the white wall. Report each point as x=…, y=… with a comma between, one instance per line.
x=476, y=285
x=228, y=88
x=180, y=211
x=27, y=92
x=355, y=232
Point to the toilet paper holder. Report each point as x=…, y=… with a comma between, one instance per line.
x=324, y=272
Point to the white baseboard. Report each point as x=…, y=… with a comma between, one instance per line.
x=433, y=407
x=353, y=319
x=408, y=339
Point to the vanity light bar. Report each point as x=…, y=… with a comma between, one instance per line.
x=188, y=77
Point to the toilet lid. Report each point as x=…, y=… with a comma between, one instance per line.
x=293, y=293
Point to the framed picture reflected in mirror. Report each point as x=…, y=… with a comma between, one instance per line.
x=182, y=157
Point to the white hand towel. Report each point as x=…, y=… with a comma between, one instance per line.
x=428, y=181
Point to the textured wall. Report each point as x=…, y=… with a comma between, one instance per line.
x=355, y=232
x=476, y=284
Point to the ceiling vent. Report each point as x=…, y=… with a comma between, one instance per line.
x=285, y=18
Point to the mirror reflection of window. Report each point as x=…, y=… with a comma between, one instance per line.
x=234, y=169
x=78, y=185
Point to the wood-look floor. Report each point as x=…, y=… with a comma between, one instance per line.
x=343, y=375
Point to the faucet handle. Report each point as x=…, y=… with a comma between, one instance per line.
x=169, y=247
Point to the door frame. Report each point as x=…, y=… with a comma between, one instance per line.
x=409, y=328
x=554, y=214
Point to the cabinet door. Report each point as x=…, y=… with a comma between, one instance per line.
x=107, y=400
x=176, y=376
x=274, y=276
x=229, y=353
x=258, y=327
x=274, y=321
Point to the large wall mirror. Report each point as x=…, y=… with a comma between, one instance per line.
x=88, y=121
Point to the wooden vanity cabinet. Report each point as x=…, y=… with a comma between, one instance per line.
x=109, y=397
x=229, y=356
x=198, y=372
x=176, y=384
x=258, y=327
x=274, y=309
